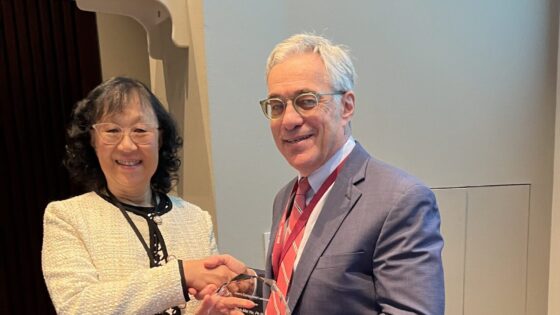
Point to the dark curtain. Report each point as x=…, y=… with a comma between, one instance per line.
x=49, y=59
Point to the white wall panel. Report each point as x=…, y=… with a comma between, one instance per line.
x=453, y=209
x=485, y=230
x=496, y=250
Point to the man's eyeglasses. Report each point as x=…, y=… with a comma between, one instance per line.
x=303, y=103
x=111, y=133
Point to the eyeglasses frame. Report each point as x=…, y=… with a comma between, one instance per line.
x=284, y=101
x=127, y=130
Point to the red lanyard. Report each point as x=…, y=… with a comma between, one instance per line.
x=281, y=246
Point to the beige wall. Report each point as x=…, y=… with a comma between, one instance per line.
x=554, y=277
x=122, y=47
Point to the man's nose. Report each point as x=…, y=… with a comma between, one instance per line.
x=291, y=118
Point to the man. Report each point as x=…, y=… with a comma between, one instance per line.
x=351, y=234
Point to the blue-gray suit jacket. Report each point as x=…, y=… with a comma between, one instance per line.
x=376, y=246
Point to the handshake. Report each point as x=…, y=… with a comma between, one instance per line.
x=206, y=277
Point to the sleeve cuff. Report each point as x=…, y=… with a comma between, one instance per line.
x=183, y=281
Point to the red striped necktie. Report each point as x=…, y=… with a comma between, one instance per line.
x=287, y=265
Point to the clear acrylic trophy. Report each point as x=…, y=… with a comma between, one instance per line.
x=260, y=290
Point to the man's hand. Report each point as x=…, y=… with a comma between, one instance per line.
x=227, y=260
x=205, y=274
x=198, y=276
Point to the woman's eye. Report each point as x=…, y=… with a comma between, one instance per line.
x=139, y=130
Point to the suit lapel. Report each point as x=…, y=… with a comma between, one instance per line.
x=340, y=201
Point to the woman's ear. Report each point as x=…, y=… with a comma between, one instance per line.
x=92, y=139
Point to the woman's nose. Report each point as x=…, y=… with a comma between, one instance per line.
x=126, y=143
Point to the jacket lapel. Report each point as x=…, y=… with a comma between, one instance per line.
x=340, y=201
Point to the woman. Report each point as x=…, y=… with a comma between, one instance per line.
x=127, y=247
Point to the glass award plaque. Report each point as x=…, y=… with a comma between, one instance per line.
x=261, y=291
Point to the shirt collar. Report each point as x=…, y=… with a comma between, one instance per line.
x=317, y=178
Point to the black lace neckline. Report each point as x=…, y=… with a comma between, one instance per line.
x=163, y=206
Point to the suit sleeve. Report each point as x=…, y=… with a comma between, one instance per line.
x=408, y=271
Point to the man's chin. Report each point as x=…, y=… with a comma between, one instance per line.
x=302, y=163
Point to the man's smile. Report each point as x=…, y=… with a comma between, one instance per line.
x=297, y=139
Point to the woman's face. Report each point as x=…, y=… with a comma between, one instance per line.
x=128, y=166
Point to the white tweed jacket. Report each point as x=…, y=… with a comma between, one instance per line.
x=94, y=263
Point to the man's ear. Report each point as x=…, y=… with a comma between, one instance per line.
x=348, y=105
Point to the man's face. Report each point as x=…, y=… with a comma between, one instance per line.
x=307, y=142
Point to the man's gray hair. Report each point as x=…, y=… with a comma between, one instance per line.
x=336, y=58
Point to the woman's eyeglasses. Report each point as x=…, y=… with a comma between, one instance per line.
x=111, y=133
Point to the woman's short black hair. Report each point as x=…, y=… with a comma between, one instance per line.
x=108, y=98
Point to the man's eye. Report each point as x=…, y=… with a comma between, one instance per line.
x=306, y=102
x=276, y=106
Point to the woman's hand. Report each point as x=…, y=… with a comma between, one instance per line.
x=214, y=304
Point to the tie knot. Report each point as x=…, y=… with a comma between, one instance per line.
x=303, y=186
